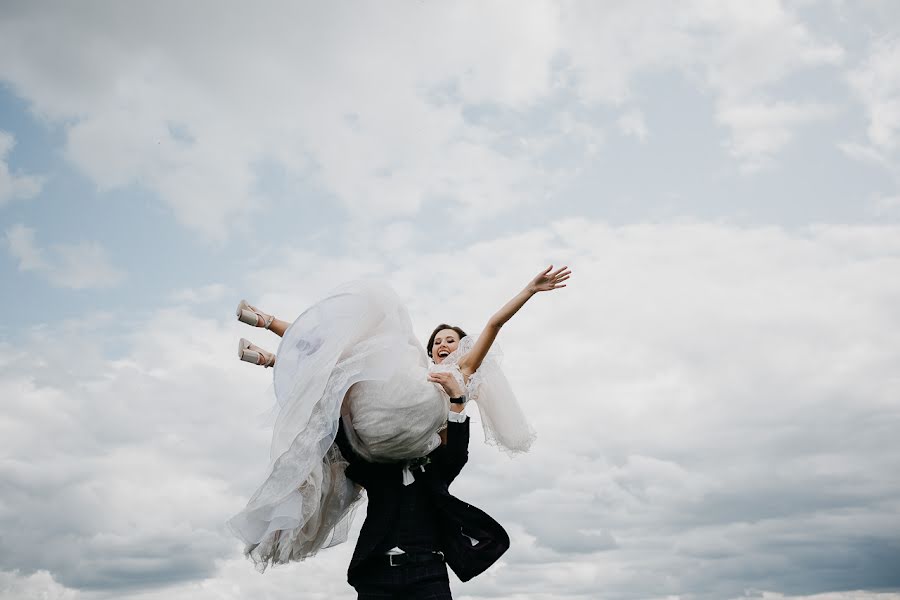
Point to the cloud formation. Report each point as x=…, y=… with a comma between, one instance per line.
x=715, y=393
x=14, y=186
x=713, y=407
x=75, y=266
x=386, y=131
x=761, y=130
x=877, y=84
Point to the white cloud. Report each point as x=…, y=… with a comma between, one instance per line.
x=848, y=595
x=109, y=441
x=886, y=205
x=75, y=266
x=378, y=126
x=609, y=44
x=12, y=186
x=877, y=84
x=738, y=51
x=754, y=46
x=202, y=294
x=865, y=152
x=380, y=117
x=234, y=582
x=760, y=130
x=750, y=48
x=37, y=586
x=694, y=338
x=21, y=243
x=709, y=400
x=632, y=123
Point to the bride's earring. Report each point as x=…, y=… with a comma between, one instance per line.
x=254, y=354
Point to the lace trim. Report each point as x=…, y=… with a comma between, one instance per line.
x=504, y=424
x=473, y=386
x=491, y=439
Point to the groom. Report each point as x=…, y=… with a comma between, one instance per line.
x=414, y=527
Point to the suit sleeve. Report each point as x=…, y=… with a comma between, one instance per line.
x=344, y=444
x=453, y=456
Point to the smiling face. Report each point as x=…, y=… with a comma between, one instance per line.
x=445, y=342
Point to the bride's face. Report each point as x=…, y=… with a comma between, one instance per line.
x=445, y=342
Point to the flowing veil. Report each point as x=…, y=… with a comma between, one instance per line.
x=503, y=419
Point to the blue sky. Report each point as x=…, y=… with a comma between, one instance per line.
x=714, y=393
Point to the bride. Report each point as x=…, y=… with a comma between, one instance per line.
x=353, y=354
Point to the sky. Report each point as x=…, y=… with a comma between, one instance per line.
x=716, y=393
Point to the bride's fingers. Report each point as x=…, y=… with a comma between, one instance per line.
x=543, y=273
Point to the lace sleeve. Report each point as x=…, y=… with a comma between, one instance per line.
x=502, y=417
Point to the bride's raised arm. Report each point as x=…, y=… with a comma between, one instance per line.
x=545, y=281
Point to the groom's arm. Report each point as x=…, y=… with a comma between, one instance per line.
x=454, y=453
x=344, y=444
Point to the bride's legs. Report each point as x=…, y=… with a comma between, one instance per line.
x=246, y=313
x=278, y=327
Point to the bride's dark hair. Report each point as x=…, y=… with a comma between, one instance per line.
x=441, y=327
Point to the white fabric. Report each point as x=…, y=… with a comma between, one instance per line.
x=408, y=473
x=356, y=343
x=456, y=417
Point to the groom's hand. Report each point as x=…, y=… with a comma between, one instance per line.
x=448, y=382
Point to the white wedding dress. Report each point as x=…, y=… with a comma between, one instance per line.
x=357, y=342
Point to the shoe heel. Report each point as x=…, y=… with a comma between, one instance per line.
x=247, y=316
x=250, y=356
x=244, y=351
x=247, y=352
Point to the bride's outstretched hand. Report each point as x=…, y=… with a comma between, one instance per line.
x=548, y=279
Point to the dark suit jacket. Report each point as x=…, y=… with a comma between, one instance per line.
x=456, y=519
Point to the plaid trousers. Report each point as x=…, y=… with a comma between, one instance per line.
x=422, y=581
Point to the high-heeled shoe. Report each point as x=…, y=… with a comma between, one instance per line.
x=246, y=313
x=251, y=353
